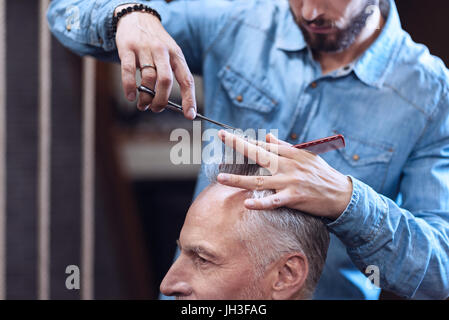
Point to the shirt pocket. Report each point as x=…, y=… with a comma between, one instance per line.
x=365, y=159
x=251, y=105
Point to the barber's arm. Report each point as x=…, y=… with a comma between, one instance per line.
x=181, y=41
x=409, y=244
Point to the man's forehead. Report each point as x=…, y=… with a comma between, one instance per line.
x=214, y=214
x=219, y=201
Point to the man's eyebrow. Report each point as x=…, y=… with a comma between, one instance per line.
x=198, y=249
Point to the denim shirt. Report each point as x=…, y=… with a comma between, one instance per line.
x=391, y=105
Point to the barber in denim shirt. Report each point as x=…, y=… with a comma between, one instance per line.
x=391, y=103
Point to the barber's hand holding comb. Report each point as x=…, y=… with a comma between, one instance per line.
x=301, y=179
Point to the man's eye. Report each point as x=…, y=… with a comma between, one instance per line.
x=200, y=260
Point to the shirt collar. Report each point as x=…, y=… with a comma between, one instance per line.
x=289, y=36
x=372, y=66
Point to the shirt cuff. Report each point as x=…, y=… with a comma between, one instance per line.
x=361, y=221
x=106, y=14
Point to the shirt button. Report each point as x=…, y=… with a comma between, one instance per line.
x=314, y=85
x=356, y=157
x=239, y=98
x=294, y=136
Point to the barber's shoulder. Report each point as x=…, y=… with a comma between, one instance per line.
x=418, y=76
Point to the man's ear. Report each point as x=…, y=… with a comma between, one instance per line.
x=291, y=274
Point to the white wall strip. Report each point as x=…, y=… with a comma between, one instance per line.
x=2, y=150
x=44, y=158
x=88, y=181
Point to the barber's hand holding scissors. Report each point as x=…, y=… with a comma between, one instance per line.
x=143, y=43
x=301, y=179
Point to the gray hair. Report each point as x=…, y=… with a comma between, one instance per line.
x=289, y=231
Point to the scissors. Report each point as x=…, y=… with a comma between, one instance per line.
x=316, y=146
x=176, y=107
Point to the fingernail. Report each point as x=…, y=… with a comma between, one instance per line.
x=192, y=113
x=142, y=107
x=222, y=177
x=131, y=96
x=250, y=203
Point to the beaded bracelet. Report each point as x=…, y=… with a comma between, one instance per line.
x=136, y=7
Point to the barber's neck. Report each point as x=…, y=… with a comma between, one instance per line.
x=333, y=61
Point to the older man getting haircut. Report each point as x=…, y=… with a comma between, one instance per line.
x=230, y=252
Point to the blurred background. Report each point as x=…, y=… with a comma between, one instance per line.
x=85, y=178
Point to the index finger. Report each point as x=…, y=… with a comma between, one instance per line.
x=264, y=158
x=283, y=150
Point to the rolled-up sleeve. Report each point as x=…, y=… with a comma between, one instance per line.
x=85, y=26
x=408, y=243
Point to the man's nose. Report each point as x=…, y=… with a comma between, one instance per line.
x=312, y=9
x=175, y=282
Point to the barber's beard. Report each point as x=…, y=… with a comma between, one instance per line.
x=340, y=40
